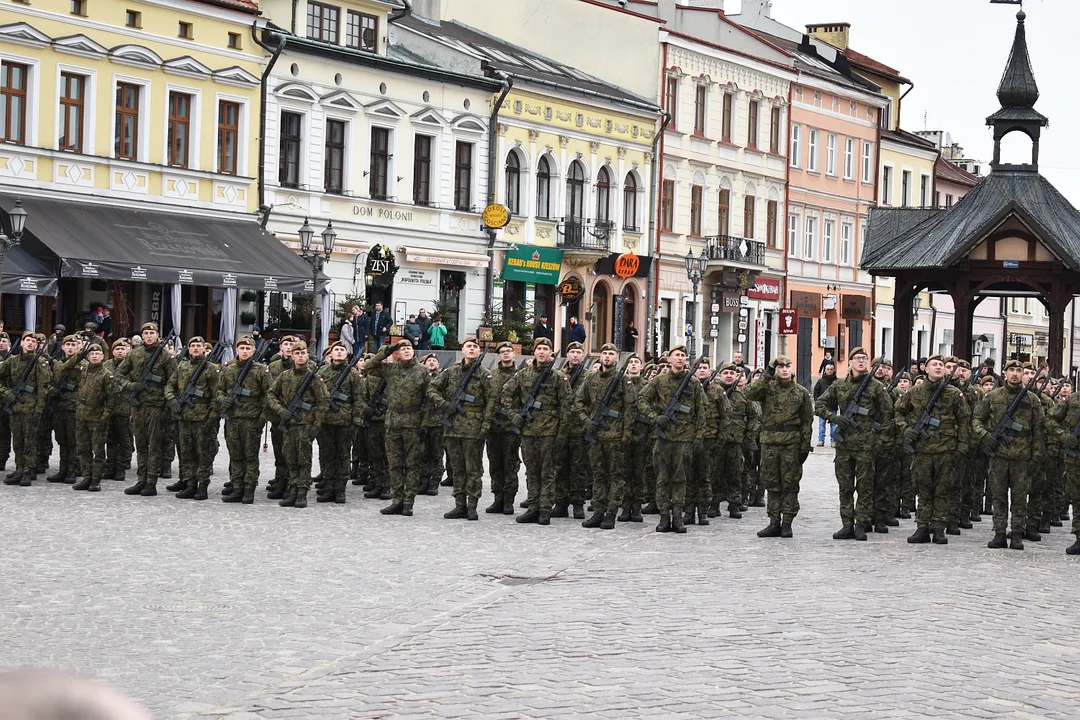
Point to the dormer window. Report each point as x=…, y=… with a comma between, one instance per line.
x=362, y=31
x=322, y=22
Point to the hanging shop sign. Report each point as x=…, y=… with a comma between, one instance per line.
x=764, y=289
x=624, y=265
x=789, y=321
x=855, y=307
x=381, y=266
x=531, y=263
x=807, y=303
x=495, y=216
x=571, y=290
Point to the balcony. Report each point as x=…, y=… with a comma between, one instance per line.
x=583, y=241
x=735, y=250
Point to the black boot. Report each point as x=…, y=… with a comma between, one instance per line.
x=953, y=528
x=940, y=537
x=508, y=507
x=609, y=521
x=998, y=542
x=880, y=527
x=393, y=508
x=83, y=484
x=702, y=517
x=187, y=493
x=384, y=493
x=471, y=513
x=60, y=476
x=27, y=479
x=857, y=532
x=301, y=499
x=339, y=495
x=677, y=524
x=325, y=495
x=458, y=513
x=545, y=518
x=579, y=512
x=688, y=517
x=845, y=533
x=249, y=496
x=447, y=483
x=109, y=473
x=529, y=516
x=785, y=531
x=237, y=495
x=650, y=509
x=13, y=478
x=1055, y=520
x=166, y=472
x=905, y=514
x=202, y=492
x=1031, y=534
x=432, y=489
x=635, y=514
x=150, y=490
x=95, y=486
x=772, y=530
x=1017, y=540
x=406, y=508
x=891, y=522
x=974, y=516
x=121, y=474
x=1074, y=549
x=495, y=507
x=288, y=501
x=920, y=536
x=713, y=510
x=136, y=488
x=1044, y=526
x=560, y=510
x=524, y=504
x=965, y=521
x=734, y=513
x=665, y=523
x=373, y=492
x=177, y=486
x=624, y=515
x=277, y=493
x=594, y=520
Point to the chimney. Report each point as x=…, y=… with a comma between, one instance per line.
x=428, y=9
x=836, y=34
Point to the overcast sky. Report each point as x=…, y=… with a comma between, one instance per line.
x=955, y=51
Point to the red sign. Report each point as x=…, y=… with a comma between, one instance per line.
x=627, y=264
x=789, y=321
x=764, y=289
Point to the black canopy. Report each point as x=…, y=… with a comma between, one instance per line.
x=29, y=268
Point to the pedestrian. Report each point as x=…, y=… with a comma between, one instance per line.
x=503, y=445
x=147, y=395
x=96, y=386
x=343, y=417
x=25, y=416
x=302, y=427
x=544, y=329
x=828, y=377
x=437, y=334
x=196, y=419
x=412, y=331
x=827, y=360
x=424, y=321
x=577, y=331
x=630, y=337
x=244, y=419
x=380, y=324
x=105, y=327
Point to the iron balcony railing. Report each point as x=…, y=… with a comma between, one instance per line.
x=584, y=234
x=735, y=249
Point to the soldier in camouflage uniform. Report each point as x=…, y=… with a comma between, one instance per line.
x=406, y=387
x=245, y=421
x=753, y=493
x=373, y=430
x=303, y=428
x=855, y=439
x=54, y=354
x=886, y=500
x=636, y=451
x=573, y=480
x=1066, y=425
x=275, y=489
x=119, y=443
x=786, y=428
x=1041, y=504
x=700, y=463
x=1060, y=490
x=932, y=464
x=1013, y=462
x=61, y=406
x=431, y=435
x=960, y=497
x=540, y=434
x=196, y=420
x=469, y=425
x=611, y=435
x=96, y=386
x=905, y=486
x=344, y=412
x=26, y=414
x=671, y=454
x=503, y=445
x=727, y=470
x=5, y=424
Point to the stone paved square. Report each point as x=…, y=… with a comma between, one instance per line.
x=206, y=610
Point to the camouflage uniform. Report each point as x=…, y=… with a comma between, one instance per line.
x=26, y=415
x=751, y=452
x=905, y=483
x=1066, y=416
x=406, y=385
x=433, y=448
x=278, y=365
x=727, y=469
x=344, y=412
x=301, y=432
x=197, y=424
x=464, y=438
x=244, y=422
x=61, y=407
x=503, y=446
x=119, y=442
x=1041, y=504
x=574, y=478
x=373, y=432
x=606, y=454
x=148, y=413
x=96, y=385
x=635, y=458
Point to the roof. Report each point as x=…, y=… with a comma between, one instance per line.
x=869, y=64
x=812, y=64
x=906, y=138
x=910, y=239
x=1018, y=92
x=249, y=6
x=954, y=174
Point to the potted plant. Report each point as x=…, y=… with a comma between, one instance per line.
x=247, y=318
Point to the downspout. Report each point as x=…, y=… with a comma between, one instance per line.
x=933, y=323
x=1004, y=332
x=787, y=209
x=900, y=102
x=275, y=52
x=493, y=136
x=394, y=17
x=657, y=181
x=292, y=28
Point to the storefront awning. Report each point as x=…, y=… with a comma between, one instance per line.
x=29, y=268
x=445, y=257
x=117, y=243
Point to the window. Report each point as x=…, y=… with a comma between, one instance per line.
x=752, y=124
x=630, y=203
x=13, y=103
x=948, y=200
x=543, y=188
x=126, y=137
x=362, y=31
x=513, y=183
x=463, y=162
x=793, y=235
x=421, y=182
x=334, y=165
x=905, y=188
x=924, y=190
x=78, y=7
x=796, y=132
x=228, y=132
x=749, y=218
x=133, y=19
x=886, y=185
x=811, y=160
x=289, y=149
x=322, y=22
x=699, y=109
x=867, y=163
x=770, y=222
x=179, y=135
x=575, y=192
x=846, y=231
x=830, y=155
x=828, y=233
x=849, y=159
x=937, y=198
x=185, y=30
x=603, y=195
x=774, y=131
x=72, y=109
x=234, y=41
x=725, y=128
x=379, y=165
x=695, y=210
x=810, y=239
x=667, y=206
x=672, y=99
x=724, y=214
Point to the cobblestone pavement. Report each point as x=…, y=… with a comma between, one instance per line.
x=206, y=610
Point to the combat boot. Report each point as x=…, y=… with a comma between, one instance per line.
x=635, y=514
x=1074, y=549
x=702, y=518
x=665, y=523
x=277, y=493
x=95, y=486
x=1031, y=534
x=458, y=513
x=677, y=524
x=136, y=488
x=508, y=507
x=432, y=489
x=1055, y=520
x=579, y=512
x=920, y=536
x=471, y=513
x=320, y=481
x=393, y=508
x=61, y=476
x=609, y=521
x=545, y=518
x=13, y=478
x=560, y=510
x=177, y=486
x=236, y=495
x=109, y=473
x=166, y=472
x=905, y=514
x=650, y=509
x=734, y=513
x=288, y=501
x=624, y=514
x=940, y=537
x=83, y=484
x=891, y=522
x=688, y=517
x=339, y=495
x=952, y=528
x=846, y=533
x=785, y=531
x=27, y=479
x=713, y=510
x=324, y=495
x=1044, y=526
x=447, y=483
x=201, y=493
x=384, y=493
x=187, y=493
x=858, y=533
x=524, y=504
x=150, y=490
x=406, y=508
x=974, y=517
x=998, y=542
x=1017, y=540
x=759, y=501
x=301, y=499
x=965, y=521
x=772, y=530
x=594, y=520
x=373, y=492
x=249, y=496
x=121, y=474
x=226, y=489
x=495, y=507
x=529, y=516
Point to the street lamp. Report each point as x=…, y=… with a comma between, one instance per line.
x=695, y=271
x=17, y=216
x=316, y=260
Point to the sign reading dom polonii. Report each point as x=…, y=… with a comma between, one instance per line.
x=530, y=263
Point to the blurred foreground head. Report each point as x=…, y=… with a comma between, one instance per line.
x=52, y=695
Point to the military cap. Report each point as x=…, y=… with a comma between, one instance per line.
x=471, y=339
x=575, y=346
x=678, y=348
x=289, y=339
x=121, y=342
x=663, y=360
x=1029, y=366
x=935, y=356
x=90, y=327
x=729, y=366
x=4, y=335
x=429, y=355
x=964, y=364
x=59, y=328
x=197, y=340
x=299, y=345
x=856, y=351
x=634, y=356
x=950, y=359
x=40, y=337
x=886, y=362
x=609, y=347
x=903, y=375
x=149, y=326
x=705, y=361
x=989, y=362
x=541, y=341
x=404, y=341
x=245, y=340
x=71, y=338
x=95, y=347
x=338, y=344
x=782, y=360
x=1010, y=364
x=879, y=360
x=504, y=345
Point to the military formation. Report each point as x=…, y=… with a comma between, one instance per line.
x=677, y=438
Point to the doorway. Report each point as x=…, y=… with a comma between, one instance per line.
x=804, y=357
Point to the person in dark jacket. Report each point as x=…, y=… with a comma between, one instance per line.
x=424, y=321
x=544, y=329
x=828, y=377
x=412, y=330
x=577, y=331
x=380, y=324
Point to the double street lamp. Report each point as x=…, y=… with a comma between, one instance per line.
x=695, y=271
x=17, y=216
x=316, y=260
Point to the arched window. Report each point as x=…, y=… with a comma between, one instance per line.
x=543, y=188
x=575, y=192
x=601, y=315
x=603, y=195
x=513, y=183
x=629, y=206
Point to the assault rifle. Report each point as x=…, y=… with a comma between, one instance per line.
x=531, y=403
x=63, y=386
x=147, y=375
x=190, y=392
x=297, y=404
x=22, y=385
x=604, y=411
x=708, y=381
x=377, y=405
x=577, y=373
x=336, y=395
x=238, y=390
x=462, y=396
x=853, y=410
x=1005, y=428
x=675, y=407
x=926, y=421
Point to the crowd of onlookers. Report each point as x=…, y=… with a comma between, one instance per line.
x=363, y=327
